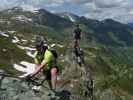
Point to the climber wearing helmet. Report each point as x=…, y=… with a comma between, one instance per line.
x=46, y=61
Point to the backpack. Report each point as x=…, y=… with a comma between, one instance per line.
x=77, y=31
x=53, y=51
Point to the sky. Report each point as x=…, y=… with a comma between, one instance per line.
x=119, y=10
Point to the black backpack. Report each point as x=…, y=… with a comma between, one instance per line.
x=77, y=31
x=54, y=53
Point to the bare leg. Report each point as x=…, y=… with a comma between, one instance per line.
x=53, y=78
x=78, y=43
x=50, y=85
x=75, y=43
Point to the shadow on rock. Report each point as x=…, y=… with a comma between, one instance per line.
x=63, y=95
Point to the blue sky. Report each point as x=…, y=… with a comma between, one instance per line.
x=120, y=10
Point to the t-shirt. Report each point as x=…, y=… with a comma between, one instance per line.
x=77, y=31
x=44, y=57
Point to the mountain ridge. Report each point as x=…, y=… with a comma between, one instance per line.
x=107, y=51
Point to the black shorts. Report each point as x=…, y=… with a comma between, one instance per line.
x=77, y=37
x=48, y=73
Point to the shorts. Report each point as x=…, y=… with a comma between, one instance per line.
x=77, y=37
x=47, y=72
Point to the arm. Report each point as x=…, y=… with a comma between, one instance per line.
x=47, y=58
x=38, y=68
x=73, y=34
x=81, y=33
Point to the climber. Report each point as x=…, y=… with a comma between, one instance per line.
x=77, y=50
x=45, y=61
x=77, y=36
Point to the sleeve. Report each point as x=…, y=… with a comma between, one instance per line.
x=47, y=58
x=36, y=61
x=35, y=58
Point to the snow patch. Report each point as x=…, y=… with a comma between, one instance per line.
x=4, y=34
x=30, y=8
x=31, y=49
x=26, y=48
x=21, y=47
x=15, y=40
x=26, y=67
x=23, y=40
x=3, y=21
x=9, y=11
x=52, y=45
x=59, y=45
x=29, y=53
x=4, y=50
x=32, y=41
x=11, y=32
x=70, y=17
x=22, y=18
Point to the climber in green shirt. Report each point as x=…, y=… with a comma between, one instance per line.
x=46, y=61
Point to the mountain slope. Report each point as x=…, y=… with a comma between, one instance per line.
x=107, y=47
x=107, y=32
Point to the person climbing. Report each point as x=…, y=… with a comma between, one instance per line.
x=77, y=50
x=77, y=36
x=45, y=61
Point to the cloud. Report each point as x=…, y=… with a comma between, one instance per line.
x=29, y=8
x=108, y=3
x=57, y=1
x=34, y=3
x=53, y=3
x=6, y=3
x=120, y=10
x=79, y=1
x=131, y=12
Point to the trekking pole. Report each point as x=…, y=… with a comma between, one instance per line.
x=9, y=75
x=29, y=80
x=34, y=82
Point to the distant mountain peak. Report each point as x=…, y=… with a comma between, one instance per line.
x=17, y=8
x=110, y=21
x=23, y=9
x=67, y=15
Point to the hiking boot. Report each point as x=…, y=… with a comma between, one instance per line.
x=78, y=59
x=36, y=88
x=52, y=94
